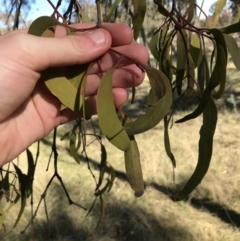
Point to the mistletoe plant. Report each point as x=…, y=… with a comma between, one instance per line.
x=193, y=75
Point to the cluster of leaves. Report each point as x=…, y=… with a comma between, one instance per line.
x=194, y=74
x=192, y=57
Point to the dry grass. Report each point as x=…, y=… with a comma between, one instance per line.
x=212, y=212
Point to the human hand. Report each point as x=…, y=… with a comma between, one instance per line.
x=28, y=110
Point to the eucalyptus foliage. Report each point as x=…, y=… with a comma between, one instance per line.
x=190, y=73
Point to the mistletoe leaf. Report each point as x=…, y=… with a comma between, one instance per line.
x=205, y=146
x=112, y=9
x=133, y=168
x=138, y=16
x=108, y=120
x=157, y=108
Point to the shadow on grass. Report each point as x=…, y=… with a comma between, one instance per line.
x=122, y=222
x=227, y=215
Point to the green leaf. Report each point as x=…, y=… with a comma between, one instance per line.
x=1, y=218
x=195, y=49
x=203, y=73
x=233, y=49
x=205, y=150
x=138, y=16
x=113, y=176
x=190, y=92
x=153, y=44
x=219, y=38
x=25, y=189
x=62, y=89
x=112, y=9
x=157, y=109
x=102, y=205
x=233, y=28
x=108, y=120
x=222, y=72
x=156, y=82
x=103, y=165
x=217, y=11
x=133, y=168
x=165, y=58
x=191, y=10
x=167, y=142
x=41, y=24
x=218, y=77
x=181, y=58
x=85, y=18
x=72, y=147
x=31, y=165
x=181, y=49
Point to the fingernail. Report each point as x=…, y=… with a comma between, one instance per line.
x=98, y=37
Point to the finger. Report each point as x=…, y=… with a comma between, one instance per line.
x=134, y=53
x=124, y=77
x=121, y=33
x=51, y=52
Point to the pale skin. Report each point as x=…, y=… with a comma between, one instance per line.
x=28, y=111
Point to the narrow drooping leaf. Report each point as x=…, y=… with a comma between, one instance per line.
x=205, y=147
x=233, y=49
x=72, y=147
x=103, y=165
x=190, y=12
x=220, y=40
x=195, y=49
x=165, y=59
x=181, y=58
x=217, y=11
x=113, y=176
x=191, y=82
x=218, y=76
x=112, y=9
x=203, y=73
x=1, y=218
x=223, y=73
x=133, y=168
x=102, y=209
x=153, y=44
x=24, y=189
x=182, y=44
x=156, y=111
x=31, y=165
x=167, y=142
x=138, y=16
x=108, y=120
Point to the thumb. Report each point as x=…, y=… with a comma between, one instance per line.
x=82, y=48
